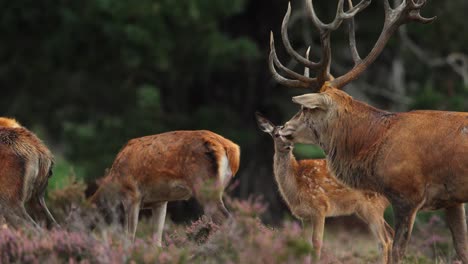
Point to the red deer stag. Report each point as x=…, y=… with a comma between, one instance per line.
x=153, y=170
x=418, y=159
x=25, y=167
x=312, y=194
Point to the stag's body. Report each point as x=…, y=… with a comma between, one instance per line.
x=25, y=167
x=418, y=159
x=153, y=170
x=312, y=194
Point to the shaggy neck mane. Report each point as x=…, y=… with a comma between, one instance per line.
x=353, y=137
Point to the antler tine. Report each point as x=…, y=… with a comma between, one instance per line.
x=307, y=70
x=301, y=82
x=406, y=12
x=352, y=37
x=325, y=30
x=339, y=17
x=290, y=73
x=415, y=14
x=287, y=43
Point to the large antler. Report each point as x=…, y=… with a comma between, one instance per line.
x=406, y=12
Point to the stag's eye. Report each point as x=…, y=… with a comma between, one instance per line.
x=306, y=110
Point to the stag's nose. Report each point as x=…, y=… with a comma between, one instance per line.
x=286, y=131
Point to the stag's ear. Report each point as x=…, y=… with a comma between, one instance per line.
x=312, y=101
x=264, y=124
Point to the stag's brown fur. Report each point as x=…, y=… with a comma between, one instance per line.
x=312, y=193
x=152, y=170
x=418, y=159
x=25, y=168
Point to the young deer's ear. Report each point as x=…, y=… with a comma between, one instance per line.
x=312, y=101
x=264, y=124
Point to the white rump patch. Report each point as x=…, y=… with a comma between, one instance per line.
x=224, y=170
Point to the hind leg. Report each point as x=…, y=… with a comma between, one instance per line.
x=456, y=221
x=43, y=205
x=382, y=232
x=39, y=209
x=17, y=217
x=158, y=219
x=214, y=208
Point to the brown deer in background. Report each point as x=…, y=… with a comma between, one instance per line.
x=25, y=167
x=312, y=194
x=418, y=159
x=153, y=170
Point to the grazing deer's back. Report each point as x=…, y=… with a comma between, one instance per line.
x=176, y=154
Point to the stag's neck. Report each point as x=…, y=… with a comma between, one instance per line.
x=285, y=166
x=353, y=141
x=357, y=131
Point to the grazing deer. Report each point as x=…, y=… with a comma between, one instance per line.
x=417, y=159
x=25, y=168
x=312, y=194
x=153, y=170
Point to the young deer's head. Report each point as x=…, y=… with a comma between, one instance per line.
x=281, y=143
x=327, y=100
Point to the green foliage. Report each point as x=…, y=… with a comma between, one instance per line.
x=97, y=67
x=427, y=98
x=304, y=151
x=63, y=173
x=94, y=144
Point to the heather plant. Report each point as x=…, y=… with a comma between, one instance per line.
x=86, y=236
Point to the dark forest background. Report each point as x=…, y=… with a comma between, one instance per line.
x=87, y=76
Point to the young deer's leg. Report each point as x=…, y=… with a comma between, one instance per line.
x=381, y=230
x=456, y=221
x=404, y=220
x=307, y=229
x=159, y=217
x=317, y=238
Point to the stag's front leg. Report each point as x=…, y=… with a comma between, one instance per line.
x=456, y=221
x=404, y=220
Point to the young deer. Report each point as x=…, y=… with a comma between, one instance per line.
x=312, y=194
x=25, y=168
x=153, y=170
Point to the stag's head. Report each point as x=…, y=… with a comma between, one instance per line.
x=320, y=108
